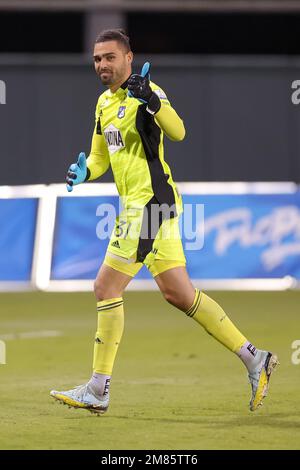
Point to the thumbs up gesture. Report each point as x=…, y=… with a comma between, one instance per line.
x=138, y=85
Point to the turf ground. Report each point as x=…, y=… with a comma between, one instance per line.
x=174, y=387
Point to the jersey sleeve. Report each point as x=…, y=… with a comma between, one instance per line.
x=98, y=161
x=167, y=118
x=160, y=93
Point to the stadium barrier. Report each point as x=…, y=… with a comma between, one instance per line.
x=243, y=236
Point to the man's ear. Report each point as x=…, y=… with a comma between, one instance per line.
x=130, y=57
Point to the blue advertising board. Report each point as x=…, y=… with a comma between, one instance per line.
x=17, y=233
x=239, y=236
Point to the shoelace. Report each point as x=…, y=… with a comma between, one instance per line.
x=81, y=389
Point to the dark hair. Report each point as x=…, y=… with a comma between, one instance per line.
x=114, y=35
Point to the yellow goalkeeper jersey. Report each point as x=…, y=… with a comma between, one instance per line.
x=130, y=139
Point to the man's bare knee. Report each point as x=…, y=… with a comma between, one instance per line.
x=177, y=299
x=171, y=297
x=110, y=283
x=99, y=290
x=104, y=291
x=176, y=287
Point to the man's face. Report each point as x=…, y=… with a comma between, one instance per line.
x=112, y=62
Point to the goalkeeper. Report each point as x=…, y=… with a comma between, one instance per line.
x=132, y=117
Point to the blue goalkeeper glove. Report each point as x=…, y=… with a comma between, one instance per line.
x=139, y=88
x=77, y=172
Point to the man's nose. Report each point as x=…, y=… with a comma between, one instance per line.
x=103, y=63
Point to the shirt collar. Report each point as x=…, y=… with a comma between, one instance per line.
x=124, y=85
x=121, y=91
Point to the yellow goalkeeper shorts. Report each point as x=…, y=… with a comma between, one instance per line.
x=159, y=251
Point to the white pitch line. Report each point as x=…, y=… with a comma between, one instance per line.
x=31, y=335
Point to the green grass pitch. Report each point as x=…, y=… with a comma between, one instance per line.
x=174, y=386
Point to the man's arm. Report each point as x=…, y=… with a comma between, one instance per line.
x=157, y=104
x=169, y=121
x=98, y=160
x=94, y=166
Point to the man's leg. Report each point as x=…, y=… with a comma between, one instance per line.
x=109, y=286
x=178, y=290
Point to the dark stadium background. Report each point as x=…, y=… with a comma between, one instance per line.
x=221, y=67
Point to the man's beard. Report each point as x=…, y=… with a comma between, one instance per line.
x=111, y=77
x=107, y=79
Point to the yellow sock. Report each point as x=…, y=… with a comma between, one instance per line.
x=108, y=335
x=213, y=318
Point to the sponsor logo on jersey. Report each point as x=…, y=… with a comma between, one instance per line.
x=160, y=94
x=121, y=112
x=113, y=139
x=116, y=244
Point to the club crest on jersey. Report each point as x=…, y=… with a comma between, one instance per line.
x=121, y=112
x=113, y=139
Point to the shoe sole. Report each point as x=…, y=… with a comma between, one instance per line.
x=63, y=400
x=263, y=386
